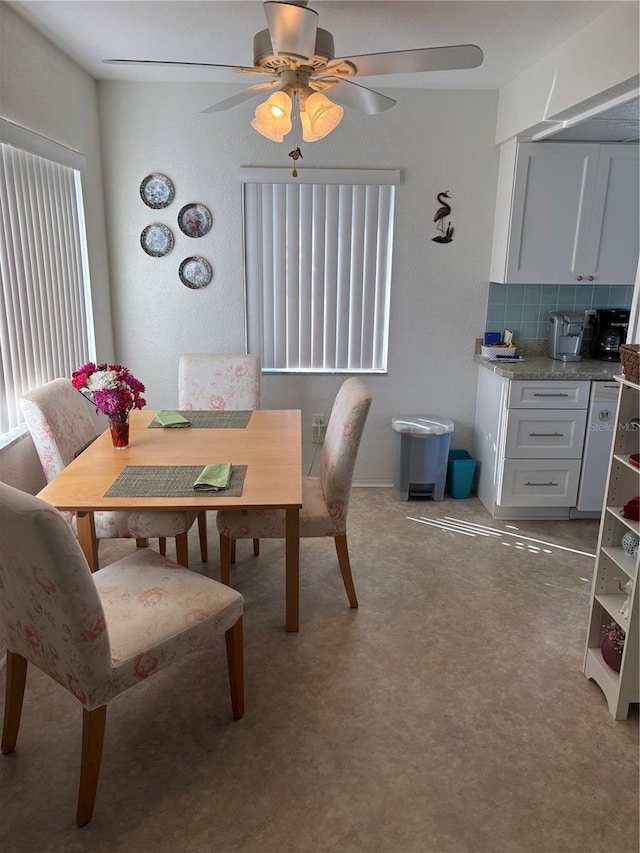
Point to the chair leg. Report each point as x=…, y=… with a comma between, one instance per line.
x=232, y=551
x=256, y=547
x=202, y=533
x=142, y=543
x=233, y=638
x=93, y=724
x=162, y=545
x=226, y=545
x=345, y=568
x=14, y=694
x=182, y=550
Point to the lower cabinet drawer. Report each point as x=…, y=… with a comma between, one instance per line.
x=545, y=434
x=548, y=394
x=539, y=482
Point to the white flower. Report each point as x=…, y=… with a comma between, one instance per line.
x=102, y=380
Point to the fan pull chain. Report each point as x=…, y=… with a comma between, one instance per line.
x=296, y=153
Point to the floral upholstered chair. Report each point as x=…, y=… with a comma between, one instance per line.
x=99, y=634
x=325, y=499
x=60, y=424
x=218, y=382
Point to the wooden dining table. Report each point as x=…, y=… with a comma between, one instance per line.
x=269, y=446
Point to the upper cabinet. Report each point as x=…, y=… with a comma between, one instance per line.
x=566, y=213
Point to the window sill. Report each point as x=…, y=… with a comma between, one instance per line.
x=8, y=439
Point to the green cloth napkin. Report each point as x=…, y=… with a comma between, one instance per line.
x=172, y=420
x=213, y=478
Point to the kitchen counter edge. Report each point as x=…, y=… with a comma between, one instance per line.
x=543, y=368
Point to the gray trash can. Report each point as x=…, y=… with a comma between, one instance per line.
x=422, y=454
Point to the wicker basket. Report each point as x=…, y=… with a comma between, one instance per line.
x=630, y=358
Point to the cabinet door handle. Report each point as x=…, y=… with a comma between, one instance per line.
x=540, y=484
x=546, y=434
x=590, y=277
x=578, y=278
x=541, y=394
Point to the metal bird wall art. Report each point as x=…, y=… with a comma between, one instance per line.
x=445, y=235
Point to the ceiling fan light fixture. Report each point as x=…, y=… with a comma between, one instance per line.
x=319, y=116
x=273, y=117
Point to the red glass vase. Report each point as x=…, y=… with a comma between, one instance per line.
x=119, y=427
x=611, y=653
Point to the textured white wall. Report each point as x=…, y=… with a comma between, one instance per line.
x=440, y=140
x=41, y=89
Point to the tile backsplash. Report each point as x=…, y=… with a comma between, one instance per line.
x=524, y=308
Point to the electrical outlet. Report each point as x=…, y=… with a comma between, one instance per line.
x=318, y=428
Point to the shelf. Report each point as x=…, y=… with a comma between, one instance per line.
x=612, y=604
x=621, y=559
x=616, y=512
x=596, y=668
x=624, y=381
x=623, y=459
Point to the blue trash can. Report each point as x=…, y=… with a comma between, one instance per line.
x=460, y=473
x=422, y=447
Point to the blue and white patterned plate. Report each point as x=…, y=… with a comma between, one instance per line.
x=157, y=240
x=195, y=272
x=157, y=191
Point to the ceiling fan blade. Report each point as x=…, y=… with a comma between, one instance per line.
x=409, y=61
x=292, y=29
x=242, y=69
x=351, y=94
x=241, y=97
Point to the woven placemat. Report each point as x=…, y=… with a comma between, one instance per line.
x=200, y=419
x=169, y=481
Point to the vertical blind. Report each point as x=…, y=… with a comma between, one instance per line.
x=44, y=328
x=318, y=251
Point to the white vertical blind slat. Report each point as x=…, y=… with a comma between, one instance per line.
x=331, y=243
x=322, y=289
x=281, y=266
x=266, y=241
x=294, y=278
x=343, y=277
x=318, y=237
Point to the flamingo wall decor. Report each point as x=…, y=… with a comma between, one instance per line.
x=445, y=235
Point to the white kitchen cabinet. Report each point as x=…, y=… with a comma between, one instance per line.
x=566, y=213
x=614, y=567
x=529, y=442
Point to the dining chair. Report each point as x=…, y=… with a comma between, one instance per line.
x=218, y=381
x=60, y=424
x=99, y=634
x=325, y=499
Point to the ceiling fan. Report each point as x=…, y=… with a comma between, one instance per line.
x=298, y=58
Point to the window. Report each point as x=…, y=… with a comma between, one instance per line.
x=318, y=268
x=45, y=328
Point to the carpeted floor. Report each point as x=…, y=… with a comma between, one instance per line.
x=448, y=714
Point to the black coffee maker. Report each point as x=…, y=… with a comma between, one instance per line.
x=609, y=333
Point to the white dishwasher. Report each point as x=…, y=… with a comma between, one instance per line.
x=601, y=420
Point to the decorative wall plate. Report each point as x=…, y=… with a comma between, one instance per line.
x=195, y=272
x=194, y=220
x=157, y=240
x=157, y=191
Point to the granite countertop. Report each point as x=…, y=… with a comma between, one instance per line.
x=539, y=367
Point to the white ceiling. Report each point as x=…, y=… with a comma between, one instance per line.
x=512, y=33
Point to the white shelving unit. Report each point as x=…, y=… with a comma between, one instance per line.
x=613, y=566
